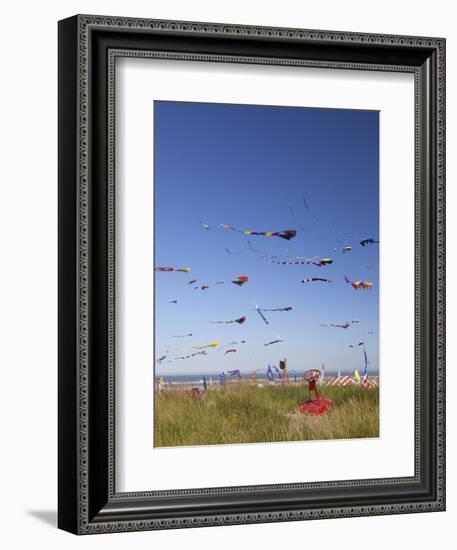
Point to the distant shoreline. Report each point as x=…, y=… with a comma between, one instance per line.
x=212, y=382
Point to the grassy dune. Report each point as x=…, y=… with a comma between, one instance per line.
x=248, y=414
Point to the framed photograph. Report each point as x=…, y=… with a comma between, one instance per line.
x=251, y=274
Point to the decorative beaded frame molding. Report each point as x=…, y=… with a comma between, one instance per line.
x=76, y=516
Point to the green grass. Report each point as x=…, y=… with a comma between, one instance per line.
x=248, y=414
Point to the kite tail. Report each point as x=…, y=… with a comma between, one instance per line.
x=265, y=320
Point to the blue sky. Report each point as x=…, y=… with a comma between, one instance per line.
x=249, y=166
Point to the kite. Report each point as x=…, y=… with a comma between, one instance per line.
x=346, y=249
x=160, y=359
x=319, y=262
x=368, y=241
x=278, y=372
x=240, y=280
x=233, y=343
x=287, y=308
x=322, y=261
x=173, y=301
x=270, y=374
x=355, y=321
x=357, y=375
x=365, y=373
x=299, y=260
x=204, y=287
x=192, y=282
x=240, y=321
x=182, y=335
x=167, y=269
x=235, y=372
x=305, y=203
x=261, y=309
x=277, y=341
x=316, y=279
x=358, y=344
x=222, y=378
x=190, y=355
x=220, y=282
x=370, y=266
x=286, y=234
x=358, y=285
x=345, y=325
x=205, y=346
x=318, y=404
x=232, y=350
x=205, y=226
x=262, y=316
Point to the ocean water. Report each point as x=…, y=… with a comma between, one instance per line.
x=198, y=378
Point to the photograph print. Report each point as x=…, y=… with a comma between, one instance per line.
x=266, y=271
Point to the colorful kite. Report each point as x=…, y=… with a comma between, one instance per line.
x=167, y=269
x=365, y=373
x=270, y=374
x=277, y=341
x=241, y=280
x=359, y=285
x=235, y=372
x=205, y=346
x=345, y=325
x=260, y=311
x=316, y=279
x=240, y=321
x=204, y=287
x=286, y=234
x=232, y=350
x=286, y=308
x=364, y=242
x=299, y=260
x=222, y=378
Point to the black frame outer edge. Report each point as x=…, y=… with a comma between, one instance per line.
x=67, y=276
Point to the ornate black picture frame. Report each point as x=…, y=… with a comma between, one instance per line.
x=88, y=501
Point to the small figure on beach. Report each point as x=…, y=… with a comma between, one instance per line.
x=316, y=404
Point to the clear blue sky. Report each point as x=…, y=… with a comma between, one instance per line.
x=239, y=165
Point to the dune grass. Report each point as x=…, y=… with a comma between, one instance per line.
x=248, y=414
